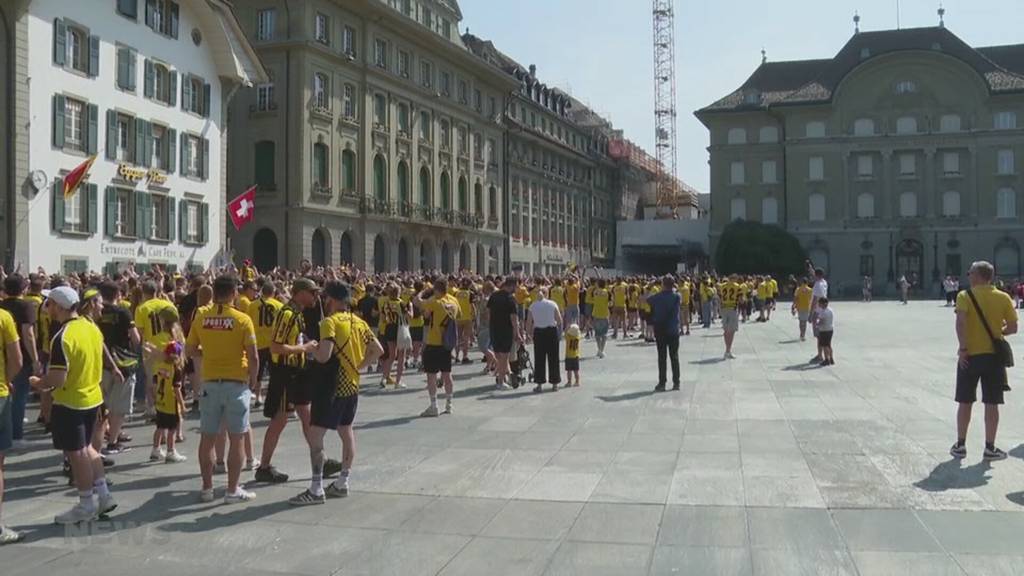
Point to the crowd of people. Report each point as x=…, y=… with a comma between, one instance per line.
x=296, y=343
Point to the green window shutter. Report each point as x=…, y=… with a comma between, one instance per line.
x=94, y=128
x=172, y=87
x=122, y=68
x=150, y=9
x=60, y=42
x=184, y=153
x=141, y=215
x=141, y=128
x=132, y=57
x=171, y=220
x=58, y=121
x=129, y=8
x=172, y=149
x=93, y=211
x=57, y=213
x=204, y=223
x=182, y=224
x=206, y=100
x=111, y=134
x=186, y=94
x=147, y=89
x=206, y=158
x=148, y=137
x=110, y=212
x=174, y=19
x=94, y=56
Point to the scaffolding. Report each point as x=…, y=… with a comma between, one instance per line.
x=665, y=107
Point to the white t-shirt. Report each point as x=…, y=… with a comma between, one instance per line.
x=820, y=289
x=826, y=319
x=544, y=314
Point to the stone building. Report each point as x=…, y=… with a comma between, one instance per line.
x=897, y=156
x=378, y=141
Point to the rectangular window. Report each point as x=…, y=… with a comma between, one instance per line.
x=463, y=92
x=159, y=219
x=951, y=163
x=380, y=110
x=426, y=74
x=265, y=24
x=816, y=168
x=463, y=143
x=768, y=175
x=265, y=97
x=125, y=139
x=908, y=164
x=78, y=49
x=446, y=29
x=322, y=29
x=1005, y=120
x=74, y=125
x=126, y=58
x=865, y=166
x=348, y=41
x=867, y=265
x=158, y=158
x=478, y=101
x=492, y=148
x=349, y=104
x=425, y=125
x=446, y=135
x=1005, y=162
x=737, y=173
x=428, y=17
x=446, y=84
x=478, y=152
x=194, y=95
x=124, y=214
x=192, y=165
x=403, y=64
x=380, y=53
x=128, y=8
x=403, y=119
x=321, y=97
x=492, y=107
x=162, y=17
x=192, y=223
x=73, y=213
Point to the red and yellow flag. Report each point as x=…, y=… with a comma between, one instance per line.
x=74, y=178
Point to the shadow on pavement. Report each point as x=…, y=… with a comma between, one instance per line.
x=950, y=475
x=802, y=367
x=793, y=341
x=626, y=396
x=385, y=423
x=1016, y=497
x=1017, y=452
x=708, y=361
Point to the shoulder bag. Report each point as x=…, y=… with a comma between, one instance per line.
x=1002, y=348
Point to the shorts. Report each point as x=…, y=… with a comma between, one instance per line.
x=264, y=356
x=391, y=333
x=118, y=398
x=437, y=359
x=990, y=371
x=6, y=430
x=483, y=339
x=417, y=333
x=501, y=343
x=288, y=388
x=730, y=320
x=585, y=310
x=803, y=315
x=572, y=364
x=618, y=309
x=600, y=327
x=166, y=421
x=825, y=338
x=72, y=429
x=227, y=402
x=334, y=411
x=572, y=314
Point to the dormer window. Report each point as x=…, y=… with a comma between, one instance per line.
x=752, y=98
x=906, y=87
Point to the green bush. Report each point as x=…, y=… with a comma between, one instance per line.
x=755, y=248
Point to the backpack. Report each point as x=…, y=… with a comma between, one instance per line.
x=450, y=337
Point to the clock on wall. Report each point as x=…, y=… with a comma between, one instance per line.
x=39, y=180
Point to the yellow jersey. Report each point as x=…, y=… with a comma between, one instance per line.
x=392, y=311
x=599, y=303
x=802, y=298
x=764, y=290
x=619, y=293
x=997, y=307
x=572, y=347
x=77, y=349
x=8, y=335
x=439, y=310
x=166, y=377
x=684, y=292
x=243, y=303
x=147, y=317
x=774, y=287
x=707, y=292
x=522, y=296
x=263, y=312
x=572, y=294
x=465, y=299
x=350, y=335
x=731, y=293
x=289, y=323
x=223, y=333
x=557, y=295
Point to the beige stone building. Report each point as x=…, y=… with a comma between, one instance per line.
x=378, y=141
x=900, y=155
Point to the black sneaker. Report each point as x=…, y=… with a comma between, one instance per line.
x=538, y=388
x=675, y=387
x=994, y=454
x=331, y=467
x=958, y=451
x=659, y=388
x=107, y=462
x=270, y=475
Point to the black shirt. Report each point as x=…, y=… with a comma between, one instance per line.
x=369, y=311
x=311, y=317
x=502, y=307
x=24, y=312
x=116, y=324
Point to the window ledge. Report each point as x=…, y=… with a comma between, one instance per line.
x=907, y=177
x=75, y=233
x=952, y=175
x=1006, y=174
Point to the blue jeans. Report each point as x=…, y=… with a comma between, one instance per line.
x=19, y=400
x=705, y=312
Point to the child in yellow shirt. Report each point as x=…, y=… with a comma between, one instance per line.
x=572, y=355
x=167, y=358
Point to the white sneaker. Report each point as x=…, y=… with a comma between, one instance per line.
x=76, y=514
x=206, y=495
x=19, y=445
x=220, y=468
x=173, y=457
x=240, y=495
x=107, y=505
x=600, y=354
x=729, y=356
x=502, y=387
x=447, y=407
x=157, y=454
x=430, y=412
x=252, y=464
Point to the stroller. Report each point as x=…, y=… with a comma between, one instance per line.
x=520, y=366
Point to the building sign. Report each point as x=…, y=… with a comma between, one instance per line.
x=555, y=258
x=140, y=251
x=133, y=174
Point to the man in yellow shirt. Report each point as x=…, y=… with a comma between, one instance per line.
x=572, y=301
x=246, y=296
x=74, y=375
x=707, y=296
x=224, y=339
x=262, y=311
x=349, y=344
x=466, y=297
x=802, y=306
x=983, y=314
x=730, y=293
x=600, y=299
x=10, y=365
x=620, y=291
x=147, y=320
x=684, y=303
x=440, y=309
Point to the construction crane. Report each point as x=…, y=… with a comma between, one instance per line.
x=665, y=107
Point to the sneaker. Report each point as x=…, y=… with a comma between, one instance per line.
x=333, y=491
x=76, y=514
x=815, y=360
x=958, y=451
x=117, y=448
x=502, y=387
x=206, y=495
x=174, y=457
x=400, y=386
x=447, y=407
x=8, y=536
x=270, y=475
x=659, y=388
x=466, y=361
x=220, y=468
x=240, y=495
x=554, y=387
x=675, y=387
x=107, y=505
x=994, y=454
x=600, y=354
x=251, y=464
x=157, y=454
x=538, y=388
x=383, y=384
x=331, y=467
x=307, y=498
x=430, y=412
x=123, y=438
x=729, y=356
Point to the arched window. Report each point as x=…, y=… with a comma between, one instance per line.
x=463, y=194
x=425, y=188
x=865, y=205
x=770, y=210
x=319, y=248
x=320, y=176
x=949, y=123
x=380, y=180
x=908, y=205
x=263, y=164
x=492, y=203
x=950, y=204
x=816, y=207
x=864, y=127
x=446, y=191
x=737, y=136
x=768, y=135
x=348, y=170
x=906, y=125
x=403, y=183
x=1006, y=203
x=1007, y=260
x=478, y=199
x=738, y=209
x=346, y=248
x=815, y=129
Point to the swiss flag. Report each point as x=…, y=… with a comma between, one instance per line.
x=243, y=208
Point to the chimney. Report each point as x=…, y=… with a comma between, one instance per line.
x=533, y=70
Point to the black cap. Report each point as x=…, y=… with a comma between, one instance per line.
x=337, y=291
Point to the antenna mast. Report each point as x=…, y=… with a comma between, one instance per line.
x=665, y=106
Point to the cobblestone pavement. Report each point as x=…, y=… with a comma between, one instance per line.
x=760, y=465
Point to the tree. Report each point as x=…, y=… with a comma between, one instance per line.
x=755, y=248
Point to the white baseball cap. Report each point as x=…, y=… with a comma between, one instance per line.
x=63, y=296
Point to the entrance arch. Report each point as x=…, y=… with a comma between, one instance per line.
x=910, y=261
x=346, y=249
x=427, y=256
x=492, y=260
x=380, y=254
x=264, y=250
x=319, y=248
x=446, y=258
x=403, y=255
x=481, y=259
x=465, y=258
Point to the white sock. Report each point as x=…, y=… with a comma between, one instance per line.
x=100, y=487
x=86, y=500
x=433, y=401
x=316, y=485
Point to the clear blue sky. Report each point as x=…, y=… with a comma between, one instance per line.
x=600, y=50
